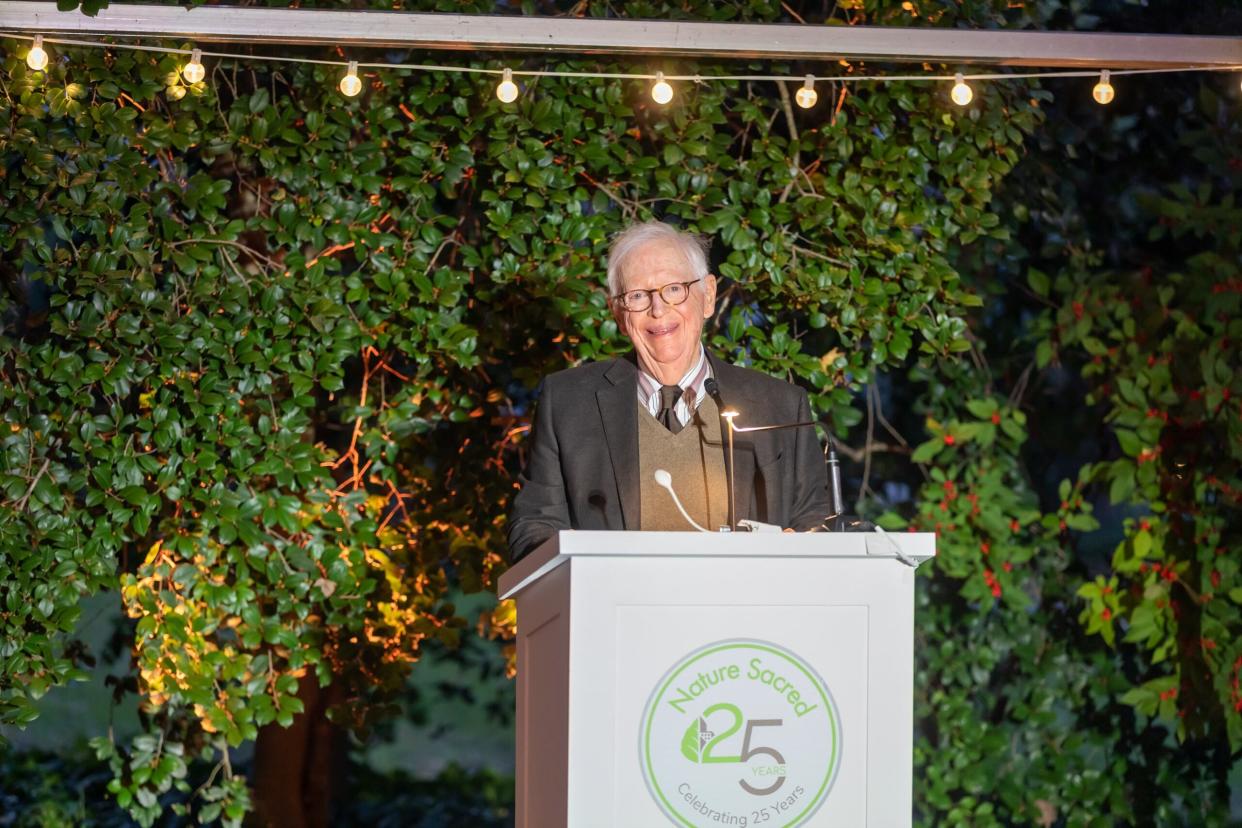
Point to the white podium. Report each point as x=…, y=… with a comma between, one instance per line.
x=677, y=678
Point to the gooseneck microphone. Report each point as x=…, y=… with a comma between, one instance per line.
x=713, y=390
x=665, y=480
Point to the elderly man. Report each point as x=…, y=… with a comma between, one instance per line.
x=602, y=430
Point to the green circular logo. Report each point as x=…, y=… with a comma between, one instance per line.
x=740, y=732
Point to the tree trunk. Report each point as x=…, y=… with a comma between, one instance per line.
x=296, y=768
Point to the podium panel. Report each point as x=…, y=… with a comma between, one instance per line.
x=706, y=680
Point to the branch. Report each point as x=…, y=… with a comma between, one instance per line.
x=631, y=210
x=34, y=481
x=817, y=255
x=857, y=454
x=796, y=159
x=272, y=263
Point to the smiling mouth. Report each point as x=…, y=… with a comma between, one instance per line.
x=663, y=330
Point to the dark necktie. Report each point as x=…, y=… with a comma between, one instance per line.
x=669, y=395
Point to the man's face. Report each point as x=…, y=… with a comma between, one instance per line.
x=666, y=337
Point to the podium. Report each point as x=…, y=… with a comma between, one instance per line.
x=693, y=679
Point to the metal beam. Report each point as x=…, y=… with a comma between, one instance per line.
x=256, y=25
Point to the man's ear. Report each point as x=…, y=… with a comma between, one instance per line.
x=709, y=296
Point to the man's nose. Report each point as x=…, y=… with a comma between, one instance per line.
x=658, y=308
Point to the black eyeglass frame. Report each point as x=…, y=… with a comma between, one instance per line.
x=620, y=297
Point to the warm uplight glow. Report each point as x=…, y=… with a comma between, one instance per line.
x=961, y=94
x=193, y=72
x=507, y=90
x=1103, y=91
x=350, y=85
x=807, y=96
x=661, y=92
x=36, y=58
x=728, y=413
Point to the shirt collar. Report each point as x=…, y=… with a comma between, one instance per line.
x=692, y=379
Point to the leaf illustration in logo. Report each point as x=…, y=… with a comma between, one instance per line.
x=692, y=741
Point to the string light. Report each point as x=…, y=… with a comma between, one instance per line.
x=350, y=85
x=1103, y=91
x=807, y=96
x=36, y=58
x=661, y=92
x=507, y=90
x=193, y=72
x=962, y=94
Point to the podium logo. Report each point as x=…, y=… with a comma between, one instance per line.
x=743, y=733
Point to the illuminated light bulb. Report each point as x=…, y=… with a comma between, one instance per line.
x=193, y=72
x=1103, y=91
x=507, y=90
x=36, y=58
x=661, y=92
x=350, y=85
x=807, y=96
x=962, y=94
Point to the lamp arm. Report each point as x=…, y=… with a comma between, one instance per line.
x=749, y=429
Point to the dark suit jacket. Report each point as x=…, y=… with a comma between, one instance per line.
x=583, y=467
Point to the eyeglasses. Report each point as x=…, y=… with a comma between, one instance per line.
x=674, y=293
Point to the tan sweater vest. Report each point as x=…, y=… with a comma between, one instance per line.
x=695, y=459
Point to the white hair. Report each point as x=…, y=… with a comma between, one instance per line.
x=693, y=247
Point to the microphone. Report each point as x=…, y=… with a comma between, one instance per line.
x=713, y=390
x=834, y=479
x=665, y=480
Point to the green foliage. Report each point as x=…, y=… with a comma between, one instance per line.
x=45, y=791
x=1156, y=336
x=266, y=356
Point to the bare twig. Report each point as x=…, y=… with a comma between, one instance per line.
x=236, y=270
x=814, y=254
x=21, y=504
x=1019, y=388
x=270, y=262
x=630, y=209
x=879, y=413
x=796, y=158
x=857, y=454
x=792, y=13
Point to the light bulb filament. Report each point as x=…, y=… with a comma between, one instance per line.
x=36, y=58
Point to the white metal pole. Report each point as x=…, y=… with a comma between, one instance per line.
x=257, y=25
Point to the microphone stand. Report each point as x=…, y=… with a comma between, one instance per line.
x=833, y=465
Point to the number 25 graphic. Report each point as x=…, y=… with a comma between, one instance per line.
x=690, y=744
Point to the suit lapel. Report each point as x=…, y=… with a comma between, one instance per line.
x=618, y=410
